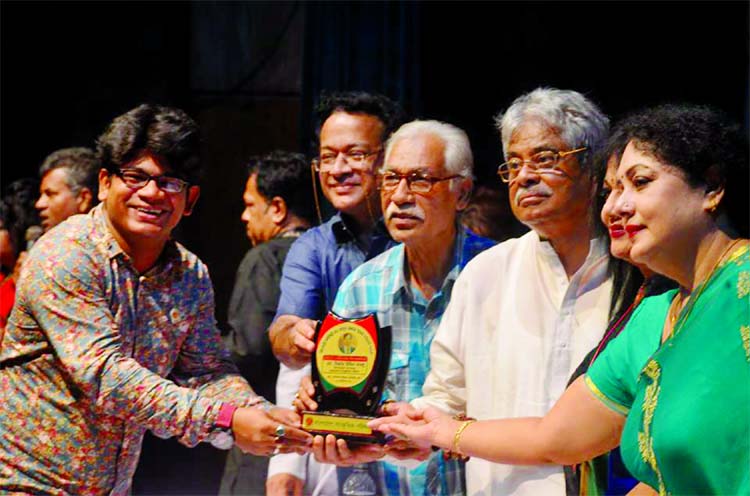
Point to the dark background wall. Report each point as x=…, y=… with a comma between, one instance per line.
x=250, y=73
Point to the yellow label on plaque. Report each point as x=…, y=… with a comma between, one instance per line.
x=345, y=356
x=321, y=422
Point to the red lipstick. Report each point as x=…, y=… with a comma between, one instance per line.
x=633, y=229
x=616, y=231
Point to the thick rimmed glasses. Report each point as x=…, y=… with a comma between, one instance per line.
x=356, y=159
x=415, y=182
x=137, y=179
x=546, y=161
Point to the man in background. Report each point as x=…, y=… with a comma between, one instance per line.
x=278, y=208
x=69, y=185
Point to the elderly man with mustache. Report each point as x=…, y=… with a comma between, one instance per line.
x=425, y=182
x=524, y=313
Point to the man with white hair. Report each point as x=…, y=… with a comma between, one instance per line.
x=524, y=313
x=425, y=182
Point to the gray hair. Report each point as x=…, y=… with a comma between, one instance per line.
x=80, y=164
x=457, y=155
x=578, y=120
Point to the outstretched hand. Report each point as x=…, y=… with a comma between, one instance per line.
x=391, y=408
x=422, y=428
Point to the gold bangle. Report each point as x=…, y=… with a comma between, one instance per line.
x=457, y=436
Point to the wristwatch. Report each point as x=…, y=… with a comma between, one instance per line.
x=223, y=437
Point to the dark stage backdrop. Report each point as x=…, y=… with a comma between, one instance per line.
x=250, y=73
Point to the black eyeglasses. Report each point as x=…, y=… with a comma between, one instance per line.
x=415, y=182
x=137, y=179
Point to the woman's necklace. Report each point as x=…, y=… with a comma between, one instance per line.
x=684, y=302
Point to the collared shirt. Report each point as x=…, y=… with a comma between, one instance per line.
x=515, y=330
x=315, y=266
x=382, y=286
x=319, y=261
x=85, y=355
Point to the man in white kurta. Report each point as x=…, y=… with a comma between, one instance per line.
x=509, y=342
x=525, y=313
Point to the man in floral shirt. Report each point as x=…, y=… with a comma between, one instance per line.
x=108, y=306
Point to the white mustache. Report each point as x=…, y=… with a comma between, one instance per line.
x=537, y=189
x=412, y=210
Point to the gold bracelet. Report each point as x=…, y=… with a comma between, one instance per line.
x=457, y=436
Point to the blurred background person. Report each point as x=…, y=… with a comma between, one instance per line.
x=18, y=230
x=278, y=208
x=68, y=185
x=488, y=215
x=8, y=256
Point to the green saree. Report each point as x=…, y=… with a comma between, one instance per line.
x=687, y=400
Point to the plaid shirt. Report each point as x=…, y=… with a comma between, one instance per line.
x=381, y=286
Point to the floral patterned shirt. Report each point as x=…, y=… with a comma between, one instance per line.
x=86, y=355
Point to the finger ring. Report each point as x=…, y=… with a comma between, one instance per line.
x=296, y=395
x=280, y=431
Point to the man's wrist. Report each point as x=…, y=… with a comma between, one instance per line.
x=261, y=403
x=224, y=418
x=223, y=436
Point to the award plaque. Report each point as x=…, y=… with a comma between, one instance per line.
x=349, y=367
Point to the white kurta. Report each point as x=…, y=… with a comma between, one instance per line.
x=515, y=330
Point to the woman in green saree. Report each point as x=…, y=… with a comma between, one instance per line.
x=674, y=388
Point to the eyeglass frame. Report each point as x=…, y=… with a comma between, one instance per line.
x=353, y=163
x=559, y=155
x=158, y=180
x=412, y=176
